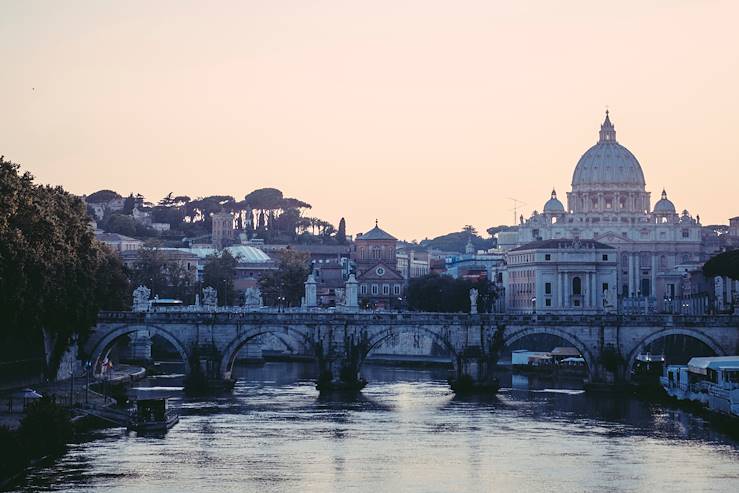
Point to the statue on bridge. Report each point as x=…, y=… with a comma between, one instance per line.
x=210, y=298
x=253, y=298
x=473, y=301
x=141, y=299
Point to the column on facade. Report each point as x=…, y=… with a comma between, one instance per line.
x=593, y=290
x=560, y=296
x=654, y=275
x=637, y=271
x=631, y=274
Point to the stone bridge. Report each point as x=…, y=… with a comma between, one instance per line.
x=341, y=341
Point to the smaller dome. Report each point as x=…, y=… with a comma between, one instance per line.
x=553, y=205
x=664, y=205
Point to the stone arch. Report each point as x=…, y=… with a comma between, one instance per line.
x=695, y=334
x=377, y=337
x=101, y=348
x=300, y=336
x=510, y=338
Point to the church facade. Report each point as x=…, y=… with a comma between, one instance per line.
x=609, y=204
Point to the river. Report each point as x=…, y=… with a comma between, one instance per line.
x=406, y=432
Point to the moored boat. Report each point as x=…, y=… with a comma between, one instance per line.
x=152, y=415
x=712, y=382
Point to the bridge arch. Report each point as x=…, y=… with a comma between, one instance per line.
x=440, y=337
x=299, y=336
x=693, y=333
x=511, y=337
x=102, y=347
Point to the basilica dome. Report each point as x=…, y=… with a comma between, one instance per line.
x=553, y=205
x=608, y=165
x=664, y=205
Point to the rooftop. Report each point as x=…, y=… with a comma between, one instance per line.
x=376, y=234
x=563, y=243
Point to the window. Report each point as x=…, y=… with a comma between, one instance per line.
x=375, y=289
x=548, y=288
x=364, y=289
x=396, y=289
x=605, y=287
x=686, y=233
x=605, y=257
x=386, y=289
x=576, y=286
x=548, y=302
x=547, y=256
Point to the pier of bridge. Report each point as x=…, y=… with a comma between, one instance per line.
x=341, y=341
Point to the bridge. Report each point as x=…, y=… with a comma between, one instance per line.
x=341, y=341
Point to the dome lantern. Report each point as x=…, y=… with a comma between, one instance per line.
x=607, y=130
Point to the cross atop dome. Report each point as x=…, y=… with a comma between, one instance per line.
x=607, y=130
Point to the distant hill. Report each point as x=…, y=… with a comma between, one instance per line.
x=456, y=242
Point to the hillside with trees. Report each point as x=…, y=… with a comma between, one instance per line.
x=264, y=213
x=457, y=241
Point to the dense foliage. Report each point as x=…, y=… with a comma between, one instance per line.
x=264, y=213
x=219, y=273
x=163, y=274
x=723, y=264
x=434, y=293
x=286, y=285
x=54, y=275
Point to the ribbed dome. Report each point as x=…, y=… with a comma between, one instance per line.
x=664, y=205
x=608, y=165
x=553, y=205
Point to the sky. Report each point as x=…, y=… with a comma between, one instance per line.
x=426, y=115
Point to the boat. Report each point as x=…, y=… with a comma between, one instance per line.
x=152, y=416
x=711, y=382
x=645, y=375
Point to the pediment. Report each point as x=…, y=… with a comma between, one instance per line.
x=611, y=238
x=373, y=273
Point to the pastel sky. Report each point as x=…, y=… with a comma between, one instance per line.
x=427, y=115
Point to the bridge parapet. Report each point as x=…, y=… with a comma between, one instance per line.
x=418, y=318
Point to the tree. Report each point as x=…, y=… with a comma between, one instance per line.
x=434, y=293
x=341, y=233
x=102, y=197
x=288, y=281
x=219, y=273
x=470, y=230
x=50, y=270
x=163, y=274
x=121, y=224
x=723, y=264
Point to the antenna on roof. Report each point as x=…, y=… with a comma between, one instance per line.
x=516, y=204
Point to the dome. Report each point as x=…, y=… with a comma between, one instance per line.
x=664, y=205
x=248, y=254
x=553, y=205
x=608, y=165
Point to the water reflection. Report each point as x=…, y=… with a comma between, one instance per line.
x=405, y=432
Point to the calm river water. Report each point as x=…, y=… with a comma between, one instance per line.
x=407, y=432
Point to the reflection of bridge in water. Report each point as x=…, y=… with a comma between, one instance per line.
x=342, y=341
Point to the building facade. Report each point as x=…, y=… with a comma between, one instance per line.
x=609, y=204
x=375, y=258
x=561, y=276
